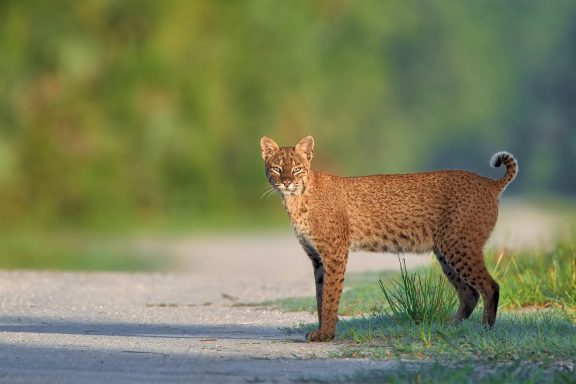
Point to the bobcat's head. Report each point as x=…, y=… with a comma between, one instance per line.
x=287, y=168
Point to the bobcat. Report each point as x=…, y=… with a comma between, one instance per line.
x=448, y=212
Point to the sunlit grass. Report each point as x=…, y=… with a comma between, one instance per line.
x=537, y=278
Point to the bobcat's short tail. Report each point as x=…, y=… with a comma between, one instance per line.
x=511, y=167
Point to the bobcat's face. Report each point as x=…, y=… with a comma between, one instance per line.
x=287, y=171
x=287, y=168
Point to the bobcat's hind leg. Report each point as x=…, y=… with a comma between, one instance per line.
x=468, y=265
x=468, y=296
x=477, y=276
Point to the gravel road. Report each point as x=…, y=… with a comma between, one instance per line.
x=189, y=326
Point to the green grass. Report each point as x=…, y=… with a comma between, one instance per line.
x=537, y=279
x=458, y=373
x=543, y=336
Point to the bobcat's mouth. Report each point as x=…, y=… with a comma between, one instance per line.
x=292, y=189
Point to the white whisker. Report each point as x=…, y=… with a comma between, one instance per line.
x=266, y=193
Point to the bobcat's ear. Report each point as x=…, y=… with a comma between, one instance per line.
x=306, y=147
x=268, y=146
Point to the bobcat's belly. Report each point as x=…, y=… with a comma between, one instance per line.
x=394, y=238
x=390, y=246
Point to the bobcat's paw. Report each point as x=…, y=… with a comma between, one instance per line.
x=318, y=335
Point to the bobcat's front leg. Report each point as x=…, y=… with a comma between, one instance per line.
x=319, y=281
x=330, y=291
x=318, y=275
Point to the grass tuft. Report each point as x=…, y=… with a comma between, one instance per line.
x=419, y=297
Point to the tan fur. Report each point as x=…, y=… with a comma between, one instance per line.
x=451, y=213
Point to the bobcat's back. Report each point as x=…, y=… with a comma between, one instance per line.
x=408, y=212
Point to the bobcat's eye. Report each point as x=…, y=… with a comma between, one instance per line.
x=277, y=170
x=296, y=170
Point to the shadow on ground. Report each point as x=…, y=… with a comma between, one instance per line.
x=221, y=331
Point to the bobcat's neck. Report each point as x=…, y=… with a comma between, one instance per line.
x=297, y=205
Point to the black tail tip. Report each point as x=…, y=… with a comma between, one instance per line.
x=499, y=158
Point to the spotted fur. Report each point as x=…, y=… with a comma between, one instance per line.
x=451, y=213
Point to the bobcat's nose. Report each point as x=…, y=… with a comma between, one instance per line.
x=286, y=183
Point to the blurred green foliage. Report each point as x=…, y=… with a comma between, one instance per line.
x=73, y=252
x=123, y=112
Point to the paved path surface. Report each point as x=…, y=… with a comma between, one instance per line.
x=189, y=327
x=124, y=328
